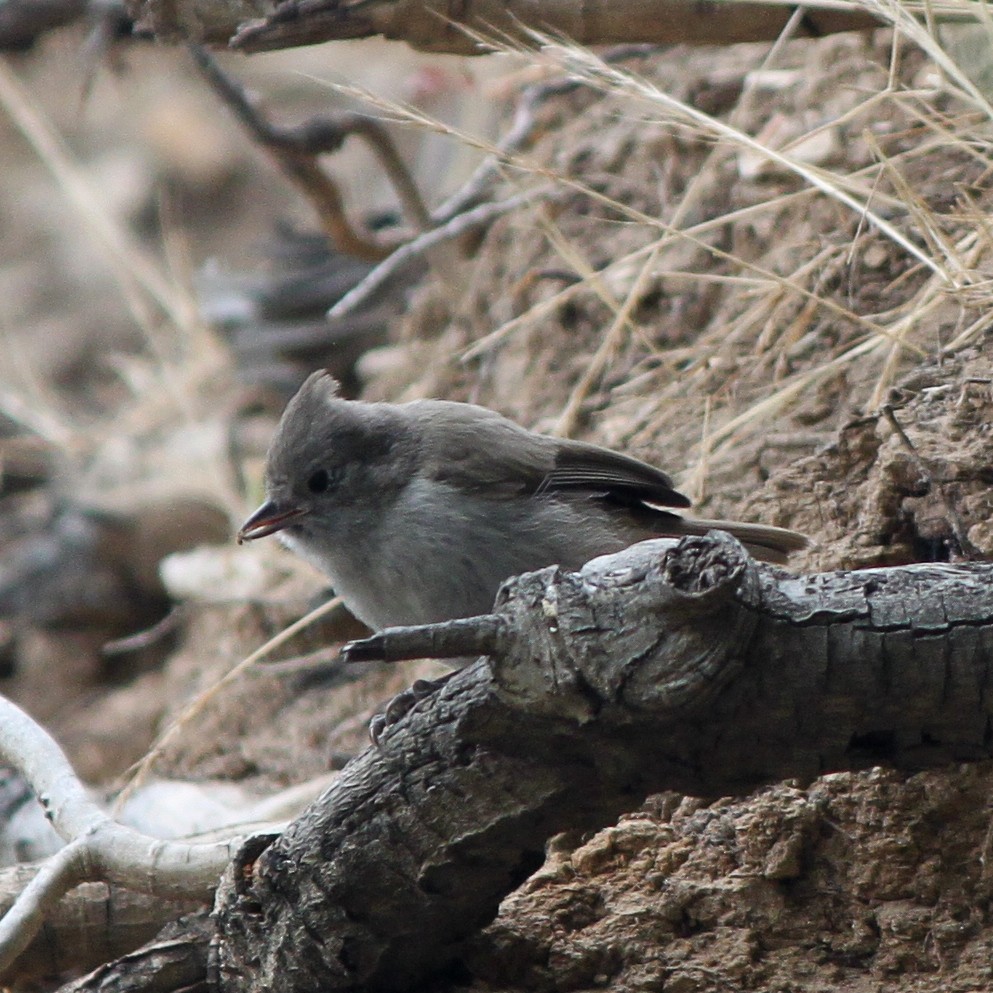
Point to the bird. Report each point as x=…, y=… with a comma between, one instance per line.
x=417, y=512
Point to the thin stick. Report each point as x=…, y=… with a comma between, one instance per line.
x=602, y=357
x=140, y=770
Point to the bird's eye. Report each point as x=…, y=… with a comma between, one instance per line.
x=319, y=482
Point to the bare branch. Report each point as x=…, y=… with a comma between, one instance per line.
x=98, y=849
x=96, y=923
x=91, y=925
x=414, y=251
x=296, y=151
x=428, y=24
x=689, y=668
x=177, y=959
x=453, y=639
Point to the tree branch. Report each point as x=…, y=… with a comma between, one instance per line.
x=689, y=668
x=96, y=923
x=98, y=849
x=296, y=151
x=441, y=26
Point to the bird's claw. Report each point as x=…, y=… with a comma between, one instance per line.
x=403, y=703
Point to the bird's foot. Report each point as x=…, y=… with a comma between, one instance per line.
x=403, y=703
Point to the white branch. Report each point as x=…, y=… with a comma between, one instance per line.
x=98, y=849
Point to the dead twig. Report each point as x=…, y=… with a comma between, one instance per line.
x=296, y=151
x=407, y=254
x=443, y=27
x=98, y=848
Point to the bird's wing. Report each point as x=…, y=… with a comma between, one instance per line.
x=486, y=452
x=579, y=466
x=479, y=450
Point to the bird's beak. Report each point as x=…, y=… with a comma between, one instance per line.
x=268, y=519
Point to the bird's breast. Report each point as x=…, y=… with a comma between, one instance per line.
x=438, y=552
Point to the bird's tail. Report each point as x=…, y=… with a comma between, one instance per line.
x=765, y=542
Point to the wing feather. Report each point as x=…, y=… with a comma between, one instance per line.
x=588, y=467
x=486, y=452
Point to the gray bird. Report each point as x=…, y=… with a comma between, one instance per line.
x=417, y=512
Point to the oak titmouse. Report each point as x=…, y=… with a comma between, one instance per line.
x=417, y=512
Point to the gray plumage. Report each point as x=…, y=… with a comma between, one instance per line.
x=417, y=512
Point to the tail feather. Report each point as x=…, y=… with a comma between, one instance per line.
x=765, y=542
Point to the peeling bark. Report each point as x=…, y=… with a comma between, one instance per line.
x=693, y=669
x=175, y=960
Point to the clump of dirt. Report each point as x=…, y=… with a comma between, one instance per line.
x=915, y=478
x=854, y=882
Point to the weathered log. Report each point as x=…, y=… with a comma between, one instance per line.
x=689, y=668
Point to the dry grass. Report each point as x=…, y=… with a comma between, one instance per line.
x=940, y=256
x=957, y=262
x=168, y=384
x=951, y=255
